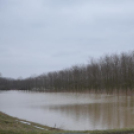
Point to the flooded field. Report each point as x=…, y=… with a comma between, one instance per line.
x=70, y=111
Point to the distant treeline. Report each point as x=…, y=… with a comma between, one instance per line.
x=108, y=73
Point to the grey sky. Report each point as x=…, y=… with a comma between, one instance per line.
x=38, y=36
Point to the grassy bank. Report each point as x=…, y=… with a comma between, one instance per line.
x=11, y=125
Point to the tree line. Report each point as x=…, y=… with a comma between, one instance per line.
x=108, y=73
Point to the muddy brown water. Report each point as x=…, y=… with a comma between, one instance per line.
x=70, y=111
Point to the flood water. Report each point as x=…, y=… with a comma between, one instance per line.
x=70, y=111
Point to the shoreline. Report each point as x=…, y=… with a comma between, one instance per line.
x=10, y=124
x=13, y=125
x=114, y=92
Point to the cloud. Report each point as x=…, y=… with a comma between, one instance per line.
x=44, y=35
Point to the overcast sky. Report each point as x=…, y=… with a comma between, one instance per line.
x=39, y=36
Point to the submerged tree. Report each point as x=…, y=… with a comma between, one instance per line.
x=109, y=73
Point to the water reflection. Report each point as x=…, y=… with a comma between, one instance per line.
x=99, y=115
x=70, y=110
